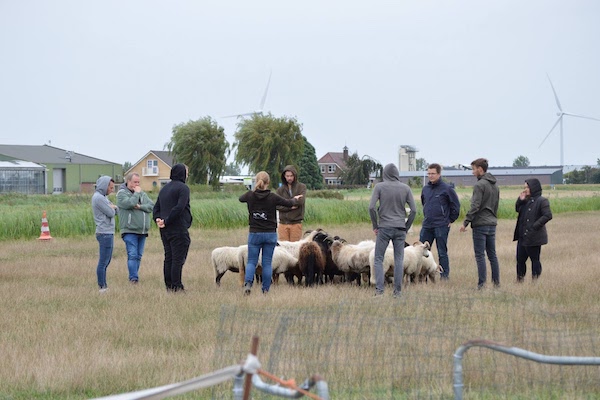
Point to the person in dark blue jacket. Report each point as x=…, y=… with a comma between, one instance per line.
x=530, y=232
x=440, y=208
x=173, y=216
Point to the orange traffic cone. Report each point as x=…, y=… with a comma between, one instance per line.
x=45, y=235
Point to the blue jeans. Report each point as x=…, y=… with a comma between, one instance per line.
x=440, y=234
x=484, y=241
x=105, y=243
x=134, y=244
x=257, y=241
x=397, y=236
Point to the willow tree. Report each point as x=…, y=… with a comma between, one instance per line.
x=266, y=143
x=202, y=146
x=358, y=171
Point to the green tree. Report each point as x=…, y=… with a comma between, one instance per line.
x=232, y=169
x=126, y=166
x=521, y=161
x=309, y=171
x=359, y=170
x=421, y=164
x=266, y=143
x=202, y=146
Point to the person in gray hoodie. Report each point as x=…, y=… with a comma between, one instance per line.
x=390, y=223
x=104, y=217
x=483, y=217
x=530, y=232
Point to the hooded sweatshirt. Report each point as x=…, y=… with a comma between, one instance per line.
x=393, y=196
x=287, y=215
x=534, y=213
x=261, y=209
x=104, y=214
x=173, y=202
x=484, y=202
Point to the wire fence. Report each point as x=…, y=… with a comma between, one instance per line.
x=386, y=348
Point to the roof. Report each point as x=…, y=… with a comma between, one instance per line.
x=19, y=164
x=46, y=154
x=497, y=171
x=165, y=156
x=333, y=158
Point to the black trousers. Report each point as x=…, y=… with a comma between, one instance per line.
x=533, y=253
x=176, y=245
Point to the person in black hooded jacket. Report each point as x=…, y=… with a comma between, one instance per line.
x=173, y=216
x=530, y=232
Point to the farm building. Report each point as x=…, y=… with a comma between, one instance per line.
x=66, y=171
x=506, y=176
x=25, y=177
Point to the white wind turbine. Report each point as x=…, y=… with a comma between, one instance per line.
x=561, y=114
x=262, y=103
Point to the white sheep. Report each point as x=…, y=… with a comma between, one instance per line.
x=352, y=258
x=429, y=269
x=413, y=259
x=225, y=259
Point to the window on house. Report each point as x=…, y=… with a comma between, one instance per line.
x=331, y=168
x=322, y=169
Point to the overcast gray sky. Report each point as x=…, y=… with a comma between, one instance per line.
x=458, y=79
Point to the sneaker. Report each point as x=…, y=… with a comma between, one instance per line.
x=396, y=295
x=247, y=289
x=133, y=281
x=378, y=295
x=103, y=290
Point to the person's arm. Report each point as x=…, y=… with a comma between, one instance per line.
x=475, y=205
x=147, y=204
x=127, y=202
x=183, y=199
x=373, y=208
x=410, y=200
x=545, y=214
x=454, y=205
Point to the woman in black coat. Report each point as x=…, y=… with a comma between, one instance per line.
x=530, y=232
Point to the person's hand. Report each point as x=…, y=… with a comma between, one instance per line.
x=523, y=195
x=463, y=228
x=113, y=206
x=137, y=207
x=375, y=231
x=160, y=222
x=137, y=189
x=298, y=196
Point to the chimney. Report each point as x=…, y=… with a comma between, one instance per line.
x=345, y=153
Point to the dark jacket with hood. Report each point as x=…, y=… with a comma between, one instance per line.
x=173, y=202
x=441, y=206
x=393, y=196
x=484, y=202
x=534, y=212
x=287, y=215
x=262, y=216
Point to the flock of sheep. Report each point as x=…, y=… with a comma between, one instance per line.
x=320, y=258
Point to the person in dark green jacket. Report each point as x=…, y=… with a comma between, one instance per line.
x=135, y=208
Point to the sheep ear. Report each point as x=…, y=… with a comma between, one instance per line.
x=427, y=245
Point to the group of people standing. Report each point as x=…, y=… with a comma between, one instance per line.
x=441, y=207
x=274, y=216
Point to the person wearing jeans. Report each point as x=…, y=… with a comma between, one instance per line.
x=441, y=208
x=134, y=221
x=104, y=217
x=390, y=223
x=483, y=217
x=262, y=221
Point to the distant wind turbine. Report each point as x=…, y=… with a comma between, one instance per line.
x=262, y=103
x=561, y=114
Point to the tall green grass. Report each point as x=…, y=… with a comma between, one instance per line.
x=71, y=215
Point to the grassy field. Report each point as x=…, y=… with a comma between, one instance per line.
x=62, y=339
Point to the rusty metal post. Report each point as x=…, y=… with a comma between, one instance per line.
x=248, y=380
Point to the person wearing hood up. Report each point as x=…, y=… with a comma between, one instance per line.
x=173, y=216
x=483, y=217
x=290, y=218
x=262, y=221
x=104, y=217
x=530, y=232
x=390, y=223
